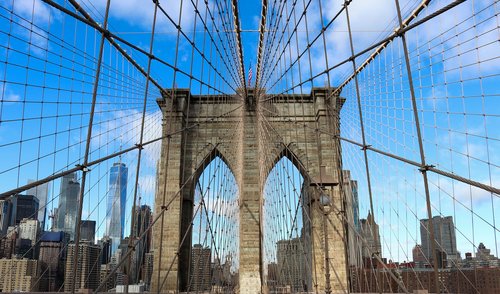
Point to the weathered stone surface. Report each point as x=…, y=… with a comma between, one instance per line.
x=250, y=139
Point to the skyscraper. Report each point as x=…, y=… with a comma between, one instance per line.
x=51, y=260
x=7, y=214
x=115, y=213
x=352, y=214
x=292, y=265
x=444, y=232
x=27, y=207
x=87, y=230
x=29, y=229
x=40, y=192
x=201, y=275
x=105, y=245
x=87, y=270
x=143, y=219
x=370, y=233
x=418, y=256
x=68, y=205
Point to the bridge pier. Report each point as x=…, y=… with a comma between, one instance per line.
x=186, y=154
x=250, y=206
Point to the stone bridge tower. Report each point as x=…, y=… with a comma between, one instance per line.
x=194, y=127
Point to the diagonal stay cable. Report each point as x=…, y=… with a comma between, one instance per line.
x=238, y=44
x=374, y=46
x=405, y=24
x=262, y=28
x=193, y=45
x=78, y=167
x=113, y=38
x=167, y=204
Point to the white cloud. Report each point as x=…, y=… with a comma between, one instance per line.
x=461, y=40
x=9, y=96
x=33, y=10
x=12, y=97
x=35, y=17
x=123, y=127
x=140, y=14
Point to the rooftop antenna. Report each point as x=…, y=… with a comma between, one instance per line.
x=120, y=156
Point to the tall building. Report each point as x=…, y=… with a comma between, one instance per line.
x=51, y=260
x=68, y=205
x=26, y=207
x=418, y=256
x=105, y=245
x=143, y=217
x=352, y=215
x=29, y=229
x=148, y=268
x=272, y=276
x=87, y=230
x=18, y=275
x=87, y=269
x=371, y=236
x=8, y=244
x=40, y=192
x=444, y=232
x=7, y=213
x=107, y=283
x=293, y=271
x=115, y=213
x=200, y=277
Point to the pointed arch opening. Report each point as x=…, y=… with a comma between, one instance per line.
x=287, y=245
x=214, y=236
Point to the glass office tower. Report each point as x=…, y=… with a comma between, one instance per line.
x=115, y=213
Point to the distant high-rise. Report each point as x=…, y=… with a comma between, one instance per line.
x=29, y=229
x=418, y=256
x=370, y=234
x=7, y=213
x=19, y=275
x=355, y=205
x=105, y=245
x=108, y=283
x=26, y=207
x=352, y=214
x=148, y=268
x=40, y=192
x=87, y=230
x=143, y=219
x=444, y=232
x=87, y=269
x=272, y=275
x=115, y=213
x=483, y=258
x=8, y=245
x=200, y=279
x=51, y=260
x=68, y=205
x=292, y=266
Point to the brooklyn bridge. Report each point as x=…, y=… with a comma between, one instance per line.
x=225, y=146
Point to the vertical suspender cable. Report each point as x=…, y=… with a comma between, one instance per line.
x=89, y=137
x=139, y=154
x=423, y=168
x=358, y=97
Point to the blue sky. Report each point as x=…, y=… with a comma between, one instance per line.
x=455, y=67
